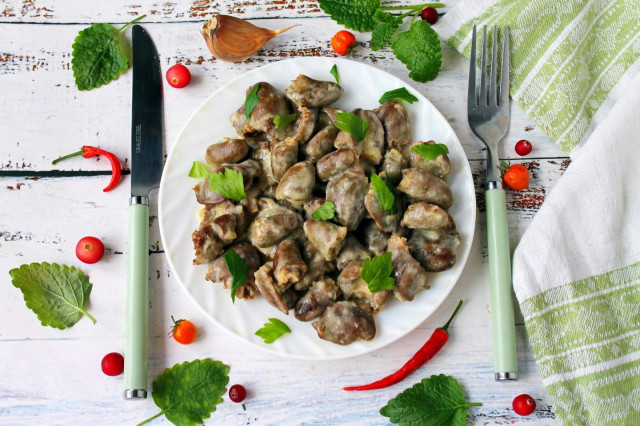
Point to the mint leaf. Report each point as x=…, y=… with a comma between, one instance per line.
x=57, y=294
x=273, y=330
x=430, y=151
x=334, y=73
x=376, y=273
x=353, y=124
x=385, y=196
x=281, y=121
x=401, y=94
x=354, y=14
x=325, y=212
x=229, y=183
x=199, y=170
x=238, y=269
x=386, y=26
x=188, y=393
x=419, y=50
x=438, y=400
x=251, y=101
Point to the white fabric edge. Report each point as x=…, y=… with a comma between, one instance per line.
x=462, y=13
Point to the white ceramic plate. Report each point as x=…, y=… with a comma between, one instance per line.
x=363, y=85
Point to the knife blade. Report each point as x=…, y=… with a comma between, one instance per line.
x=146, y=170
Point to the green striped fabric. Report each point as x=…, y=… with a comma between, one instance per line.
x=566, y=56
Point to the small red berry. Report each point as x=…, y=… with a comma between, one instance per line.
x=429, y=14
x=523, y=147
x=524, y=405
x=113, y=364
x=237, y=393
x=89, y=249
x=178, y=76
x=342, y=42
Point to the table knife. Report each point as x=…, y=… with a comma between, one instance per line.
x=146, y=170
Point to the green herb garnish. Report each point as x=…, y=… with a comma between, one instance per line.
x=188, y=393
x=386, y=26
x=282, y=121
x=98, y=55
x=251, y=101
x=430, y=151
x=273, y=330
x=401, y=94
x=353, y=124
x=383, y=190
x=376, y=273
x=57, y=294
x=229, y=184
x=238, y=269
x=438, y=400
x=419, y=50
x=334, y=73
x=354, y=14
x=199, y=170
x=325, y=212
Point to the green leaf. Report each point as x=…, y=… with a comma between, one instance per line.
x=438, y=400
x=199, y=170
x=238, y=269
x=97, y=57
x=430, y=151
x=334, y=73
x=419, y=49
x=57, y=294
x=384, y=194
x=273, y=330
x=188, y=393
x=282, y=121
x=386, y=26
x=376, y=273
x=325, y=212
x=229, y=184
x=353, y=124
x=251, y=101
x=401, y=94
x=354, y=14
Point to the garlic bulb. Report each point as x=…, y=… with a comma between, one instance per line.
x=234, y=39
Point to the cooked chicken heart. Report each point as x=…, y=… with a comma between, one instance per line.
x=410, y=277
x=314, y=302
x=321, y=143
x=351, y=250
x=267, y=286
x=439, y=166
x=335, y=163
x=394, y=117
x=327, y=237
x=435, y=249
x=354, y=287
x=426, y=216
x=288, y=266
x=284, y=154
x=307, y=92
x=345, y=322
x=296, y=185
x=227, y=151
x=421, y=185
x=218, y=271
x=347, y=191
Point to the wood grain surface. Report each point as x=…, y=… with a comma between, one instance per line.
x=53, y=377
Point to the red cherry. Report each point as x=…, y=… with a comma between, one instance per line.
x=429, y=14
x=523, y=147
x=178, y=76
x=237, y=393
x=524, y=405
x=89, y=249
x=113, y=364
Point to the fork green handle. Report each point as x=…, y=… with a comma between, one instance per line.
x=505, y=363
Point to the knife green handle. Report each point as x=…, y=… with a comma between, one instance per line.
x=505, y=363
x=137, y=302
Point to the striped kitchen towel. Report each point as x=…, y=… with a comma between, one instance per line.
x=576, y=270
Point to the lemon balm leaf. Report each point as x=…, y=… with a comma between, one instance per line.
x=282, y=121
x=334, y=73
x=385, y=28
x=401, y=94
x=419, y=49
x=354, y=14
x=273, y=330
x=238, y=269
x=251, y=101
x=353, y=124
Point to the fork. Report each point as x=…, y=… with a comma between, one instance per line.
x=489, y=118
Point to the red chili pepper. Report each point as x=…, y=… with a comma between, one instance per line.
x=424, y=354
x=90, y=151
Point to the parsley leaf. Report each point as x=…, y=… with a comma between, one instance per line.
x=353, y=124
x=386, y=26
x=238, y=269
x=430, y=151
x=401, y=94
x=57, y=294
x=282, y=121
x=188, y=393
x=199, y=170
x=98, y=55
x=419, y=49
x=251, y=101
x=334, y=73
x=229, y=183
x=325, y=212
x=438, y=400
x=354, y=14
x=376, y=273
x=384, y=194
x=273, y=330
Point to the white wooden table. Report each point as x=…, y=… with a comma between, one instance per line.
x=51, y=377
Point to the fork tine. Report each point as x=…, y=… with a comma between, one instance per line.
x=493, y=84
x=504, y=73
x=483, y=72
x=472, y=99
